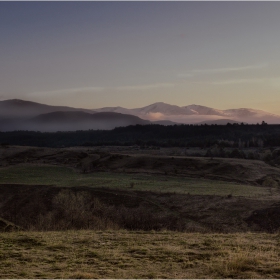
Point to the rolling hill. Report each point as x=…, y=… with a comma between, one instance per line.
x=71, y=121
x=16, y=108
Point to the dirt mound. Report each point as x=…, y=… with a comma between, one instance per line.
x=53, y=208
x=266, y=219
x=236, y=170
x=271, y=181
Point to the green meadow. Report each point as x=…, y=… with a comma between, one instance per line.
x=68, y=177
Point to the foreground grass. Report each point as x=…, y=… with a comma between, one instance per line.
x=122, y=254
x=67, y=177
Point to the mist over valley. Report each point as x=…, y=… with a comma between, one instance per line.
x=18, y=114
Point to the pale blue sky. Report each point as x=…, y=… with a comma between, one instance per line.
x=131, y=54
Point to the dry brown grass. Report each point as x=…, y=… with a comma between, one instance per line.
x=123, y=254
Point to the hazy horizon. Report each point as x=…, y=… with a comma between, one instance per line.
x=221, y=55
x=146, y=105
x=15, y=112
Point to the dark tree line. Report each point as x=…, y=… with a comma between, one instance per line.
x=153, y=135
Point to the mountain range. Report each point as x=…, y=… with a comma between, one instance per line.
x=196, y=114
x=18, y=114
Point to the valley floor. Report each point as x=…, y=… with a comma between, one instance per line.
x=123, y=254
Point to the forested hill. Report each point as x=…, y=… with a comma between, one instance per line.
x=231, y=135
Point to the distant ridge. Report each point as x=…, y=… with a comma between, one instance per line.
x=196, y=113
x=72, y=121
x=21, y=108
x=16, y=114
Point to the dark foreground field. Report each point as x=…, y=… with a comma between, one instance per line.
x=86, y=213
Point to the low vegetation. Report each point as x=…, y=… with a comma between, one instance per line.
x=68, y=177
x=92, y=160
x=122, y=254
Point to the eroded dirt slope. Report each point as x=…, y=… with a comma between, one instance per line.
x=36, y=208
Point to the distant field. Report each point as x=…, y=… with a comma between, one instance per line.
x=63, y=176
x=122, y=254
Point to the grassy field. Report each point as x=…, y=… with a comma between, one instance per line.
x=122, y=254
x=64, y=176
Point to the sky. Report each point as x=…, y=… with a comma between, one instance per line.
x=131, y=54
